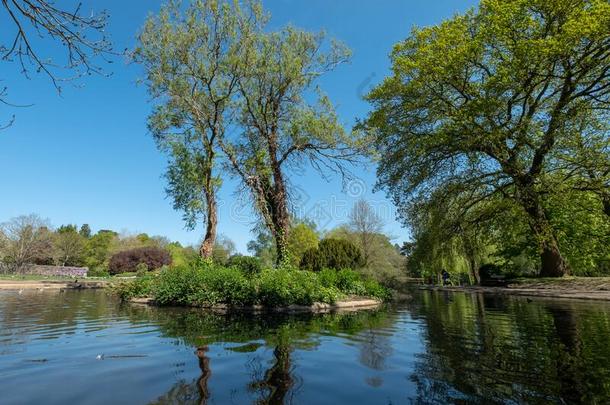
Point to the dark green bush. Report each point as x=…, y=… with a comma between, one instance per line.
x=487, y=271
x=246, y=264
x=333, y=254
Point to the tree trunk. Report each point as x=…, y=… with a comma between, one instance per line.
x=469, y=241
x=281, y=221
x=280, y=215
x=207, y=246
x=474, y=269
x=552, y=262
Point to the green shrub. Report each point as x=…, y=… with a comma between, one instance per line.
x=333, y=254
x=141, y=269
x=177, y=285
x=246, y=264
x=230, y=284
x=205, y=284
x=98, y=271
x=283, y=287
x=140, y=287
x=373, y=289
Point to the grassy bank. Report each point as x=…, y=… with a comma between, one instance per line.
x=205, y=285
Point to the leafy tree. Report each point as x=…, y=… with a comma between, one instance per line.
x=301, y=238
x=181, y=256
x=332, y=254
x=85, y=231
x=25, y=240
x=486, y=101
x=190, y=57
x=68, y=246
x=246, y=264
x=279, y=129
x=98, y=248
x=584, y=163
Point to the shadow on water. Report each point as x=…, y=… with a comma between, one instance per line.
x=438, y=348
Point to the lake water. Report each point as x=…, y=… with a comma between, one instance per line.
x=84, y=347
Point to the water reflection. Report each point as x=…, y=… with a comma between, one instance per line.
x=274, y=380
x=439, y=348
x=494, y=349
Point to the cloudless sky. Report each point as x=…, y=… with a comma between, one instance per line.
x=85, y=155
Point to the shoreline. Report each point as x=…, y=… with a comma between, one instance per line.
x=353, y=304
x=52, y=284
x=540, y=292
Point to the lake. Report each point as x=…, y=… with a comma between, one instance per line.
x=84, y=347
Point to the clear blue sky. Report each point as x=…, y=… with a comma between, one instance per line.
x=85, y=156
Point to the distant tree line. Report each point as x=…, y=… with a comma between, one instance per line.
x=30, y=240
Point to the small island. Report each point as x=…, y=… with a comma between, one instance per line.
x=244, y=285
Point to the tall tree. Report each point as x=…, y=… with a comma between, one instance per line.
x=190, y=57
x=280, y=129
x=487, y=99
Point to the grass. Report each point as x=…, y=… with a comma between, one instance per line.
x=205, y=285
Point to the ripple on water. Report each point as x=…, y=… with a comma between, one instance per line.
x=439, y=348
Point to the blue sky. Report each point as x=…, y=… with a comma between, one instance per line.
x=85, y=156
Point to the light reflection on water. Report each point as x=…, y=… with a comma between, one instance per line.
x=85, y=347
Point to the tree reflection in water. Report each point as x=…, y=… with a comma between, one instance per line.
x=277, y=383
x=494, y=349
x=439, y=348
x=278, y=379
x=206, y=373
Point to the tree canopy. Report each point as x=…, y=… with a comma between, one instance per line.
x=494, y=109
